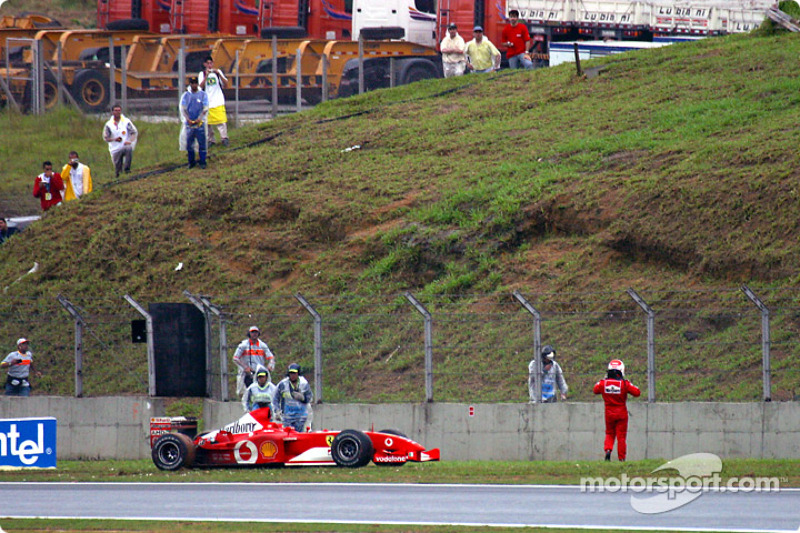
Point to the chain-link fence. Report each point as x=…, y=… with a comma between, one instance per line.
x=704, y=345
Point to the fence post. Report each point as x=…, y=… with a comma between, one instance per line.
x=181, y=69
x=223, y=349
x=79, y=323
x=324, y=78
x=123, y=55
x=299, y=66
x=428, y=345
x=236, y=81
x=209, y=358
x=151, y=359
x=537, y=343
x=766, y=365
x=274, y=76
x=317, y=345
x=651, y=345
x=112, y=89
x=360, y=64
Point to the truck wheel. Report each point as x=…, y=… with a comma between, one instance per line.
x=351, y=449
x=173, y=451
x=90, y=89
x=284, y=32
x=51, y=96
x=128, y=24
x=50, y=93
x=312, y=96
x=417, y=73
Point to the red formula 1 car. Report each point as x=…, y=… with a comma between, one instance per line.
x=254, y=440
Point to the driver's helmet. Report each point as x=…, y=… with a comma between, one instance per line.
x=617, y=364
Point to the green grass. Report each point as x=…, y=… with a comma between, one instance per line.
x=672, y=172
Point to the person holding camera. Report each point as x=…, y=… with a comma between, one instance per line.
x=47, y=187
x=77, y=178
x=19, y=365
x=212, y=81
x=552, y=378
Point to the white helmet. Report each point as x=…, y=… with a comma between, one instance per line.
x=616, y=364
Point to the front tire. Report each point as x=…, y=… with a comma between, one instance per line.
x=173, y=451
x=352, y=449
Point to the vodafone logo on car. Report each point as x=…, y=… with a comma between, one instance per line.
x=245, y=452
x=391, y=459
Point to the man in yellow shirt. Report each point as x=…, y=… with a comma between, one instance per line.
x=482, y=55
x=77, y=178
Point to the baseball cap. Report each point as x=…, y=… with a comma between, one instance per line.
x=452, y=26
x=254, y=328
x=193, y=79
x=477, y=28
x=20, y=341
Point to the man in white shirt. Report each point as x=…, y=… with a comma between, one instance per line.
x=212, y=81
x=120, y=134
x=452, y=47
x=77, y=178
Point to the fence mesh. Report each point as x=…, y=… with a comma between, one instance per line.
x=707, y=344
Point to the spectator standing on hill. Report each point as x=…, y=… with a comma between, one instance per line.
x=293, y=399
x=615, y=389
x=250, y=354
x=517, y=41
x=5, y=230
x=482, y=55
x=48, y=187
x=552, y=378
x=194, y=106
x=452, y=47
x=212, y=81
x=121, y=135
x=77, y=178
x=260, y=393
x=19, y=365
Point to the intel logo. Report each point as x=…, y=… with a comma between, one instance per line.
x=28, y=442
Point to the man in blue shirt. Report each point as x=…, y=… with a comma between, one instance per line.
x=194, y=107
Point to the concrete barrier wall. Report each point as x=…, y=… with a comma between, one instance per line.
x=569, y=431
x=118, y=427
x=113, y=427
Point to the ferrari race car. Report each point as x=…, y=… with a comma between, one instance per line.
x=254, y=440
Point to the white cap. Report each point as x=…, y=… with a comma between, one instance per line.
x=21, y=340
x=254, y=328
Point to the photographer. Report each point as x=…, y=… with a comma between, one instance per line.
x=47, y=187
x=212, y=81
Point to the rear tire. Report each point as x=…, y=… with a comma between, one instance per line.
x=352, y=449
x=173, y=451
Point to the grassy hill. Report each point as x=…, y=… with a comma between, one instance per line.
x=675, y=172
